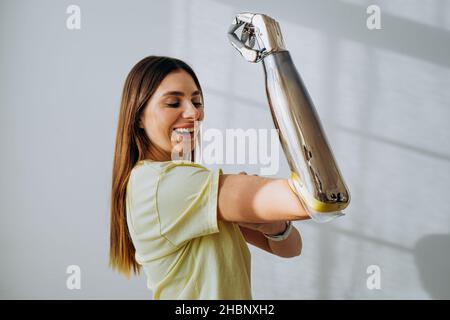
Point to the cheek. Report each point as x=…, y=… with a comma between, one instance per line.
x=151, y=127
x=162, y=122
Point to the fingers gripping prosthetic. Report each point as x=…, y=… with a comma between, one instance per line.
x=315, y=177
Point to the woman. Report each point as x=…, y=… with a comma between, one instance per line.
x=187, y=226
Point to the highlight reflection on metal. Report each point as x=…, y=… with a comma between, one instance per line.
x=315, y=176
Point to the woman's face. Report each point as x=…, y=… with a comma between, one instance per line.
x=169, y=115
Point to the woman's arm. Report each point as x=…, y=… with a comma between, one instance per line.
x=256, y=238
x=255, y=199
x=290, y=247
x=258, y=204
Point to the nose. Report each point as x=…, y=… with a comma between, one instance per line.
x=191, y=112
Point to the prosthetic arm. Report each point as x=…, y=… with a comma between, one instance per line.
x=315, y=176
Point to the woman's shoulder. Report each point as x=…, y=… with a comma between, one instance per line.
x=148, y=165
x=162, y=166
x=144, y=169
x=149, y=168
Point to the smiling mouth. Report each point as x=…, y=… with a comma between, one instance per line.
x=183, y=133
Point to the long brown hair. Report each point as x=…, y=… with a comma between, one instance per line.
x=132, y=145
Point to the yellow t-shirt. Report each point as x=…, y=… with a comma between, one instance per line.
x=185, y=251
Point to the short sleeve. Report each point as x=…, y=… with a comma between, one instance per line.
x=186, y=199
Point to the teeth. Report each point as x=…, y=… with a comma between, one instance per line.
x=184, y=130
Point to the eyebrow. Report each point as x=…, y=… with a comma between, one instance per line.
x=179, y=93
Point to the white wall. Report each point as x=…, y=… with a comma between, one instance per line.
x=383, y=97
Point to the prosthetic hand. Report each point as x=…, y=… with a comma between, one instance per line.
x=315, y=177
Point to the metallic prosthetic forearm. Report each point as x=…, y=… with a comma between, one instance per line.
x=315, y=176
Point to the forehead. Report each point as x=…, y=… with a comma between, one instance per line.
x=178, y=80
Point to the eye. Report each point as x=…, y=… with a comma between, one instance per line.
x=173, y=105
x=197, y=104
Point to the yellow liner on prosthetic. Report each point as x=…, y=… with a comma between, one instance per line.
x=314, y=204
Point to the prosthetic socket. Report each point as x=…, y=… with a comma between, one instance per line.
x=315, y=176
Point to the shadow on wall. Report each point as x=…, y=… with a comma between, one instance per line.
x=432, y=256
